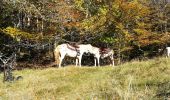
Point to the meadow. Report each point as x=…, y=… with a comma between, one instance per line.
x=144, y=80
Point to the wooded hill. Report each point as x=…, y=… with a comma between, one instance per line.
x=133, y=28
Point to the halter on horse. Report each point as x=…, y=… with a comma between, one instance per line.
x=68, y=50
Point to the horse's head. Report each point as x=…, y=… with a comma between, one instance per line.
x=107, y=52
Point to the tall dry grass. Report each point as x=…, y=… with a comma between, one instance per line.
x=145, y=80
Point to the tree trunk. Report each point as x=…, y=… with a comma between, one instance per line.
x=28, y=20
x=42, y=27
x=37, y=24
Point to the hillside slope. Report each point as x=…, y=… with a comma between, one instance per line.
x=134, y=80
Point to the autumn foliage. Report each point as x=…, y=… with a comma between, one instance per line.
x=124, y=25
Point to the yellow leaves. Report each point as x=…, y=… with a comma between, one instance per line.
x=128, y=36
x=145, y=37
x=141, y=25
x=120, y=26
x=142, y=37
x=143, y=11
x=116, y=11
x=88, y=24
x=103, y=10
x=124, y=31
x=129, y=7
x=165, y=38
x=16, y=33
x=78, y=4
x=141, y=31
x=134, y=9
x=128, y=48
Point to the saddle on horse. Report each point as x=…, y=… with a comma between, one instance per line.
x=74, y=47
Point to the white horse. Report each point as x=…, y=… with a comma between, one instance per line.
x=168, y=51
x=102, y=53
x=96, y=52
x=72, y=51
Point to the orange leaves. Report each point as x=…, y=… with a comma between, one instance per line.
x=72, y=24
x=165, y=38
x=132, y=10
x=76, y=15
x=144, y=37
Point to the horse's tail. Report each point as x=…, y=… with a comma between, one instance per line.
x=57, y=55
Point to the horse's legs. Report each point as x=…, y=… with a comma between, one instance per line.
x=98, y=61
x=112, y=60
x=113, y=64
x=80, y=57
x=77, y=61
x=61, y=59
x=97, y=58
x=95, y=62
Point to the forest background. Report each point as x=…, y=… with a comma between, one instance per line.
x=134, y=29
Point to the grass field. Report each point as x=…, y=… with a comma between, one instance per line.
x=145, y=80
